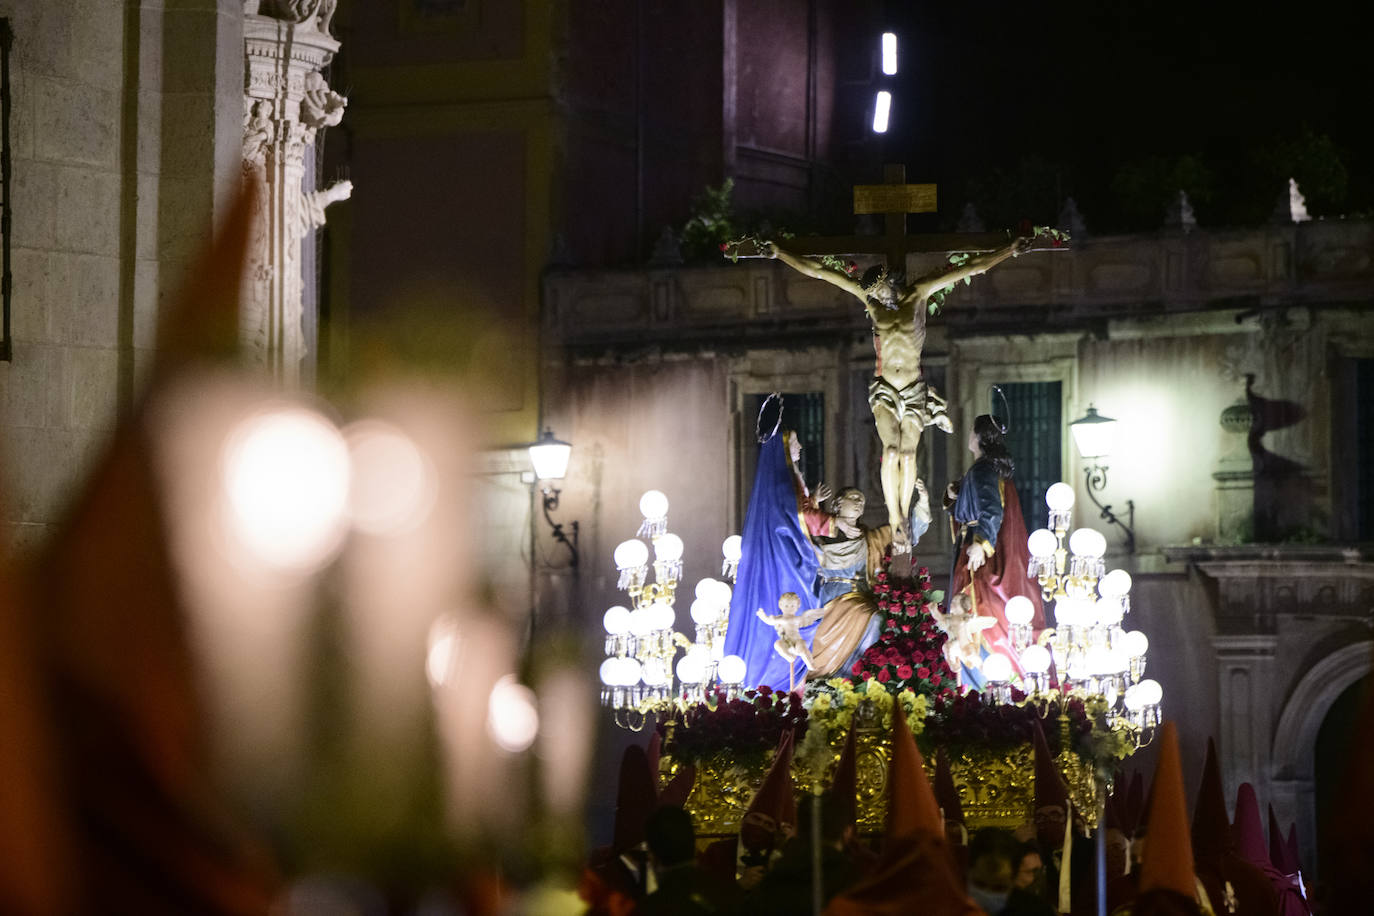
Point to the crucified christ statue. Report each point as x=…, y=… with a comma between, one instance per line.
x=902, y=404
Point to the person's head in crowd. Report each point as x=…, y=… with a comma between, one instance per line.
x=671, y=837
x=1029, y=867
x=993, y=857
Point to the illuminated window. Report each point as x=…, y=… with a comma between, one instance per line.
x=801, y=411
x=1034, y=439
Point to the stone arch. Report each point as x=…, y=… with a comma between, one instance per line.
x=1293, y=752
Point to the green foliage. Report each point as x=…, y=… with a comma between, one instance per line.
x=1143, y=188
x=712, y=222
x=1317, y=164
x=1034, y=188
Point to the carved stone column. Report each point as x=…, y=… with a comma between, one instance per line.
x=286, y=101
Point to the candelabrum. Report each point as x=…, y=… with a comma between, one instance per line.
x=1088, y=649
x=641, y=646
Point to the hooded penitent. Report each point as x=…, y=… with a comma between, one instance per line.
x=915, y=873
x=636, y=798
x=1051, y=795
x=774, y=806
x=1223, y=871
x=844, y=784
x=1167, y=883
x=142, y=829
x=1248, y=833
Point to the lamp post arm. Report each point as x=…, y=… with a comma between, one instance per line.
x=550, y=502
x=1096, y=480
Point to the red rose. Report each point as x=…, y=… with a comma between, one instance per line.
x=891, y=623
x=856, y=667
x=884, y=675
x=923, y=672
x=868, y=675
x=765, y=690
x=906, y=628
x=923, y=572
x=904, y=671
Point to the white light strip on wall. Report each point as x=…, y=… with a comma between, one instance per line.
x=890, y=53
x=881, y=108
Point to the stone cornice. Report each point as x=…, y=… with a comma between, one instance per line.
x=1108, y=286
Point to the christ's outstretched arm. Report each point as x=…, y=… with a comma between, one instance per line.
x=812, y=269
x=930, y=284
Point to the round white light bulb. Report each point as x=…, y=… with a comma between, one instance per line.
x=667, y=548
x=732, y=669
x=641, y=622
x=732, y=547
x=1019, y=610
x=662, y=615
x=629, y=672
x=617, y=620
x=631, y=553
x=1150, y=692
x=1108, y=612
x=1135, y=643
x=705, y=590
x=1132, y=698
x=610, y=671
x=1115, y=584
x=704, y=612
x=1035, y=659
x=997, y=668
x=1042, y=543
x=653, y=504
x=1059, y=497
x=1086, y=542
x=691, y=669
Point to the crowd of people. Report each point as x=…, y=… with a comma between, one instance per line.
x=791, y=857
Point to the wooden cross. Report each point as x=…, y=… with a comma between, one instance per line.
x=894, y=198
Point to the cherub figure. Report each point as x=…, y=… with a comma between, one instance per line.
x=962, y=629
x=787, y=625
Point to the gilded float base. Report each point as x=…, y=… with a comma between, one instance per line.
x=996, y=789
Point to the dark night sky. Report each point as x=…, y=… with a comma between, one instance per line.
x=1084, y=88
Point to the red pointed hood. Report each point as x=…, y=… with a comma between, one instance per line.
x=844, y=786
x=1211, y=828
x=774, y=806
x=1277, y=854
x=635, y=799
x=1246, y=830
x=945, y=793
x=1049, y=785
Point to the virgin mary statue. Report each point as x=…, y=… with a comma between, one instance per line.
x=776, y=557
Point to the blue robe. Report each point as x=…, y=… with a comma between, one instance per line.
x=776, y=557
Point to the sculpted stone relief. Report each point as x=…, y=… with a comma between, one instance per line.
x=287, y=102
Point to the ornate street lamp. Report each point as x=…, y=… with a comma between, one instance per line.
x=1094, y=436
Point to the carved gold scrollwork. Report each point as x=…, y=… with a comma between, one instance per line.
x=996, y=789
